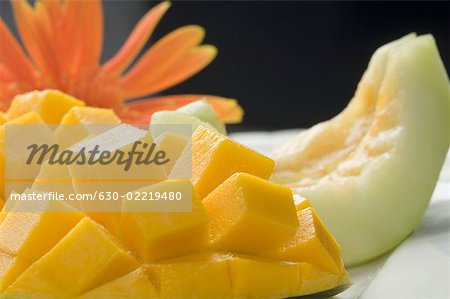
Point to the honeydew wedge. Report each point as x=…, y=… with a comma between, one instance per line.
x=199, y=113
x=87, y=257
x=205, y=112
x=50, y=104
x=370, y=171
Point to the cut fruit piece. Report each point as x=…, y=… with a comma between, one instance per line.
x=10, y=268
x=314, y=279
x=157, y=235
x=15, y=137
x=3, y=117
x=204, y=111
x=215, y=157
x=162, y=122
x=301, y=203
x=85, y=258
x=51, y=105
x=31, y=228
x=312, y=243
x=258, y=278
x=197, y=276
x=370, y=171
x=80, y=122
x=250, y=215
x=182, y=169
x=172, y=144
x=135, y=284
x=113, y=177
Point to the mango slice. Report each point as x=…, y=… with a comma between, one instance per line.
x=15, y=167
x=31, y=229
x=51, y=105
x=172, y=144
x=250, y=215
x=10, y=268
x=135, y=284
x=215, y=157
x=85, y=258
x=160, y=235
x=80, y=122
x=312, y=243
x=258, y=278
x=112, y=177
x=197, y=276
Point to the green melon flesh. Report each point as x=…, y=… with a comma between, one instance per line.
x=370, y=171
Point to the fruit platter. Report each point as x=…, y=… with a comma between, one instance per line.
x=106, y=196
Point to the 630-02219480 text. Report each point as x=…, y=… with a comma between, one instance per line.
x=99, y=195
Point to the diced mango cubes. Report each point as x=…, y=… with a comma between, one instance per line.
x=197, y=276
x=172, y=144
x=10, y=268
x=81, y=122
x=312, y=243
x=156, y=235
x=135, y=284
x=231, y=233
x=215, y=157
x=259, y=278
x=250, y=215
x=51, y=105
x=85, y=258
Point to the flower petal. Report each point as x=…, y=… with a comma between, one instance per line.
x=228, y=110
x=13, y=58
x=136, y=40
x=162, y=56
x=35, y=36
x=90, y=41
x=179, y=70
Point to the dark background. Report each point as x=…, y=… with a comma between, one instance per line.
x=290, y=64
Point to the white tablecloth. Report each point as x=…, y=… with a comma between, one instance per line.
x=419, y=267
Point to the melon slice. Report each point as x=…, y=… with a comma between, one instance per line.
x=370, y=171
x=199, y=113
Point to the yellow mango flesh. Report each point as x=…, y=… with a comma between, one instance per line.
x=172, y=144
x=197, y=276
x=3, y=117
x=85, y=258
x=314, y=279
x=157, y=235
x=312, y=243
x=250, y=215
x=51, y=105
x=215, y=157
x=135, y=284
x=80, y=122
x=42, y=134
x=10, y=268
x=258, y=278
x=90, y=179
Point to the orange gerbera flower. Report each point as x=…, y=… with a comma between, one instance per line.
x=63, y=40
